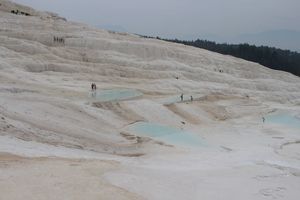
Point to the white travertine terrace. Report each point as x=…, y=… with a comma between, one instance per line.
x=58, y=142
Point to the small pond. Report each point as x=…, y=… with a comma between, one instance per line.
x=286, y=119
x=166, y=134
x=115, y=94
x=177, y=98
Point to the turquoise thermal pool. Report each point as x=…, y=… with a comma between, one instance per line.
x=115, y=94
x=177, y=99
x=285, y=119
x=168, y=135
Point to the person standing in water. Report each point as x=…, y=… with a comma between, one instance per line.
x=192, y=99
x=181, y=97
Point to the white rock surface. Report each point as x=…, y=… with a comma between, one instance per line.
x=47, y=110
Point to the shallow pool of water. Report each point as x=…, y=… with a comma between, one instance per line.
x=177, y=99
x=285, y=119
x=166, y=134
x=115, y=94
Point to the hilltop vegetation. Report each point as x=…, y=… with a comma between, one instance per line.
x=270, y=57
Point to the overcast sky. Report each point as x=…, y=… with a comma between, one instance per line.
x=180, y=18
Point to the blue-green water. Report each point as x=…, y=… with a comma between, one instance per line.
x=115, y=94
x=177, y=99
x=166, y=134
x=285, y=119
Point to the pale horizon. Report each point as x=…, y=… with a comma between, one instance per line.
x=215, y=20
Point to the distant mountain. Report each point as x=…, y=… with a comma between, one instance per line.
x=284, y=39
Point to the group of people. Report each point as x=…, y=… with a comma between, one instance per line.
x=181, y=97
x=59, y=40
x=17, y=12
x=93, y=86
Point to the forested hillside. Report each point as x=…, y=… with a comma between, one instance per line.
x=271, y=57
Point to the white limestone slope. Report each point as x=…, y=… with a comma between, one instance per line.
x=46, y=110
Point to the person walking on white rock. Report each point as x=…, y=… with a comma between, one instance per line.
x=93, y=86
